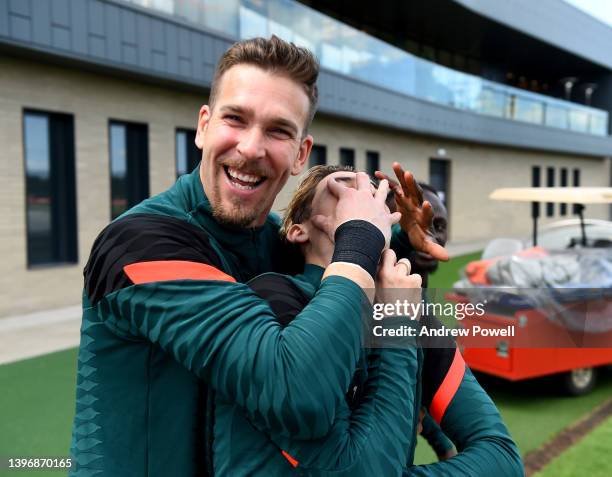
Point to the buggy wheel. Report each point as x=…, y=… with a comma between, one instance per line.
x=578, y=381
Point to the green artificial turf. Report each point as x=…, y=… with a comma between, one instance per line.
x=589, y=456
x=36, y=408
x=449, y=272
x=534, y=411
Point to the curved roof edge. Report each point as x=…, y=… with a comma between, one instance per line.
x=346, y=97
x=552, y=21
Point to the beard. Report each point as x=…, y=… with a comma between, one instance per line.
x=239, y=213
x=237, y=216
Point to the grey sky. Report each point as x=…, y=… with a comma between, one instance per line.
x=600, y=9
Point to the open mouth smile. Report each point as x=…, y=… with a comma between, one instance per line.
x=241, y=180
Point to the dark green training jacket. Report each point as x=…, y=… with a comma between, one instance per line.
x=374, y=430
x=167, y=325
x=434, y=436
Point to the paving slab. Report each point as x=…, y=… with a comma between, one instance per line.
x=36, y=334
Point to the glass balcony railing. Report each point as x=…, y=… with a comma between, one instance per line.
x=345, y=50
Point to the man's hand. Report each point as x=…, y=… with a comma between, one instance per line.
x=416, y=213
x=359, y=204
x=394, y=281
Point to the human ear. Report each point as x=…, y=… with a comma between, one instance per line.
x=298, y=234
x=302, y=157
x=203, y=118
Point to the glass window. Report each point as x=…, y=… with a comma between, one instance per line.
x=50, y=188
x=372, y=162
x=563, y=183
x=575, y=183
x=579, y=120
x=535, y=182
x=221, y=15
x=187, y=154
x=439, y=178
x=347, y=157
x=557, y=116
x=576, y=177
x=129, y=165
x=535, y=176
x=492, y=101
x=550, y=182
x=599, y=123
x=189, y=11
x=528, y=109
x=318, y=156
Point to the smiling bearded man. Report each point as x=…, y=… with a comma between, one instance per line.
x=253, y=136
x=168, y=323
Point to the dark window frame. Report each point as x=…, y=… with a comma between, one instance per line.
x=536, y=181
x=550, y=182
x=133, y=195
x=322, y=153
x=563, y=182
x=192, y=160
x=372, y=162
x=347, y=153
x=448, y=181
x=63, y=190
x=448, y=175
x=576, y=183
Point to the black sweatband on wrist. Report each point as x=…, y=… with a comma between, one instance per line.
x=359, y=242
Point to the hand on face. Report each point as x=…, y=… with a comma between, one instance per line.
x=416, y=213
x=358, y=204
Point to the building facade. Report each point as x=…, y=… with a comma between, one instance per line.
x=99, y=102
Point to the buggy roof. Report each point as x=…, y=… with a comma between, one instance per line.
x=570, y=195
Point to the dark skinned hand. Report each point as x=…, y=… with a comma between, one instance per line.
x=417, y=214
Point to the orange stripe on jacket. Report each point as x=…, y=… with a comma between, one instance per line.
x=448, y=388
x=291, y=460
x=165, y=270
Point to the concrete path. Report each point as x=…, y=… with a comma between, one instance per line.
x=36, y=334
x=461, y=248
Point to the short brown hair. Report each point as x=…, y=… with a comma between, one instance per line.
x=277, y=56
x=300, y=206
